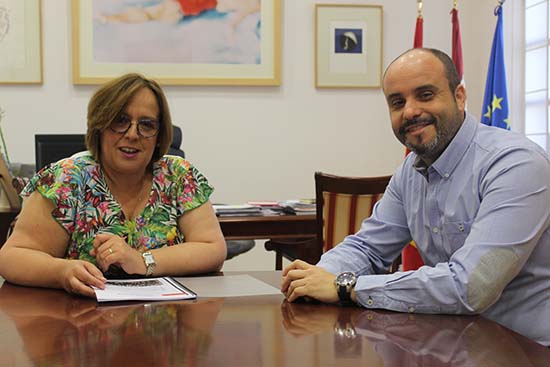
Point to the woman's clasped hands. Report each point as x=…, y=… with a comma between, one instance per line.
x=110, y=249
x=80, y=276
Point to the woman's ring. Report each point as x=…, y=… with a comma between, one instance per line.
x=110, y=251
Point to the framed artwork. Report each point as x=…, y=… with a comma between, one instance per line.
x=20, y=42
x=348, y=46
x=177, y=42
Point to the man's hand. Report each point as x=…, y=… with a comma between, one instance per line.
x=301, y=279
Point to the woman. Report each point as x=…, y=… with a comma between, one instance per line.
x=122, y=205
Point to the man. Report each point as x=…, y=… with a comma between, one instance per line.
x=476, y=200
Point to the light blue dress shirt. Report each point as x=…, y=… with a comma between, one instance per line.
x=480, y=215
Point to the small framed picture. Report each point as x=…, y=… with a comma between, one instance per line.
x=348, y=46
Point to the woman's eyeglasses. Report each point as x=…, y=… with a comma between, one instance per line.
x=146, y=127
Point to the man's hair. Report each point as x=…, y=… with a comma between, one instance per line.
x=109, y=101
x=450, y=70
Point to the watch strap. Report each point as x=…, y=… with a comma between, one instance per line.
x=344, y=295
x=345, y=282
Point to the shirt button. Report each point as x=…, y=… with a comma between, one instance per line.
x=411, y=309
x=370, y=302
x=446, y=175
x=435, y=230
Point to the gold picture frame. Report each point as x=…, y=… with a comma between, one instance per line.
x=215, y=47
x=20, y=42
x=348, y=46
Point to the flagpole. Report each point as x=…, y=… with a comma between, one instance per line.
x=499, y=6
x=410, y=257
x=495, y=100
x=419, y=28
x=457, y=41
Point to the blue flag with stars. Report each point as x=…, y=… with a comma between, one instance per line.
x=495, y=102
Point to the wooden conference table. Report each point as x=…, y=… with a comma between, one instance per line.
x=43, y=327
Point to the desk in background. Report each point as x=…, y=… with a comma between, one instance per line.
x=268, y=226
x=44, y=327
x=233, y=228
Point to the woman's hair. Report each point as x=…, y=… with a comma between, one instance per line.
x=108, y=103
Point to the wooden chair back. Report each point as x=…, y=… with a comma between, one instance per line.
x=342, y=204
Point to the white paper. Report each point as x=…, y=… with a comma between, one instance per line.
x=146, y=289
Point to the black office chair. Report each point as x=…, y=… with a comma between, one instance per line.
x=177, y=138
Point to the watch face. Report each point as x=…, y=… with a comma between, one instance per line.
x=346, y=278
x=149, y=259
x=150, y=263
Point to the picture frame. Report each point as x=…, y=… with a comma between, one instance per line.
x=218, y=46
x=348, y=46
x=20, y=42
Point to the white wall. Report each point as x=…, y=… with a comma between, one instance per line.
x=259, y=143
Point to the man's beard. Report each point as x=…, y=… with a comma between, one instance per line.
x=444, y=133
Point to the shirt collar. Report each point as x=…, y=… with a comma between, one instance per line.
x=446, y=163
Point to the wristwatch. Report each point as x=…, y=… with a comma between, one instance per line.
x=150, y=263
x=344, y=283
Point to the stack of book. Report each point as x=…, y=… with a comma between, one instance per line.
x=299, y=207
x=268, y=207
x=237, y=210
x=253, y=208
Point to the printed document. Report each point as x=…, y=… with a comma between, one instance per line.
x=146, y=289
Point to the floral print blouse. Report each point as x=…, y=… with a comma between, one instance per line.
x=84, y=205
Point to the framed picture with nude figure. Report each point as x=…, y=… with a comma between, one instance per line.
x=177, y=42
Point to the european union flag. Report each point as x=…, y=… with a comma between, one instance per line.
x=495, y=102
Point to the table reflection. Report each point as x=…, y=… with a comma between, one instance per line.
x=408, y=340
x=59, y=329
x=44, y=327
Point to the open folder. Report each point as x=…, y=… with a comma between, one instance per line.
x=145, y=289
